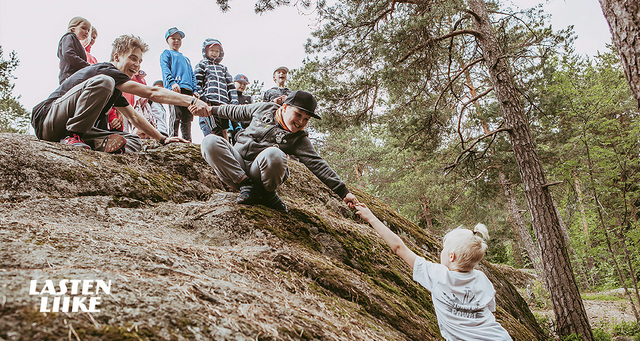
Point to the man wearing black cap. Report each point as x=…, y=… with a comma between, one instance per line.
x=257, y=163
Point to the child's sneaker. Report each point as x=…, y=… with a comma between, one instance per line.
x=111, y=144
x=74, y=140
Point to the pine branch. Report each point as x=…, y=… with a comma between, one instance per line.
x=464, y=107
x=465, y=68
x=437, y=39
x=492, y=134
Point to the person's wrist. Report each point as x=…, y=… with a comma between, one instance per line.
x=193, y=101
x=163, y=140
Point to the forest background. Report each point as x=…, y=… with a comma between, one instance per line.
x=410, y=115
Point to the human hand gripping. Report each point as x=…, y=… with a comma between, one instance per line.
x=351, y=200
x=280, y=100
x=200, y=108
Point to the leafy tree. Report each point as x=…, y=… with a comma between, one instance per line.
x=14, y=118
x=592, y=125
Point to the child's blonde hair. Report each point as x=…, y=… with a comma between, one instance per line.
x=126, y=43
x=468, y=246
x=75, y=22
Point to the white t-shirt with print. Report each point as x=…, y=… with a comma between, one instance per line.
x=464, y=302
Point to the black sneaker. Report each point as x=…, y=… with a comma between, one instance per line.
x=249, y=195
x=272, y=200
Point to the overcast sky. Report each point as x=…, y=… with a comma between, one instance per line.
x=254, y=44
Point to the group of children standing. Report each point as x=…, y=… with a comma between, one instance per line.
x=212, y=82
x=256, y=164
x=209, y=80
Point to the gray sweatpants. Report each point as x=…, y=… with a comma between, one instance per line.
x=269, y=167
x=77, y=111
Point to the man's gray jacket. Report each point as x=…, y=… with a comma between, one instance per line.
x=264, y=131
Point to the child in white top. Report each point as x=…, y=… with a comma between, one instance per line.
x=463, y=298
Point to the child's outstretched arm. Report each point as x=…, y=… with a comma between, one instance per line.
x=392, y=239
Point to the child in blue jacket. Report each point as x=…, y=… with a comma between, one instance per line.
x=177, y=75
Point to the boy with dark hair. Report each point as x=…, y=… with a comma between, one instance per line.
x=240, y=81
x=257, y=163
x=71, y=113
x=178, y=76
x=215, y=86
x=278, y=93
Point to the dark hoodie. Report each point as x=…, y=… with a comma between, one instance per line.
x=72, y=56
x=213, y=81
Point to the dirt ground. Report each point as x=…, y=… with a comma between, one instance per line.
x=602, y=313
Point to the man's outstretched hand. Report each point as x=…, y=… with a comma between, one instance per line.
x=200, y=108
x=351, y=200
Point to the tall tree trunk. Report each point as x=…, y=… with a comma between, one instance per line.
x=523, y=231
x=588, y=261
x=623, y=17
x=426, y=212
x=563, y=227
x=570, y=314
x=583, y=212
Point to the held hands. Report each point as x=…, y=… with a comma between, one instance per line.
x=200, y=108
x=351, y=200
x=280, y=100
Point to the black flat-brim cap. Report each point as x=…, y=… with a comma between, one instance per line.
x=303, y=100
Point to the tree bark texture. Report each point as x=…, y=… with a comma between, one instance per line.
x=623, y=17
x=570, y=314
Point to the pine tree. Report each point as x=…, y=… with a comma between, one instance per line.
x=14, y=118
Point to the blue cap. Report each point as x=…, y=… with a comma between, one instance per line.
x=241, y=78
x=173, y=31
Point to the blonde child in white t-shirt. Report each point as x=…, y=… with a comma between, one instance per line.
x=463, y=298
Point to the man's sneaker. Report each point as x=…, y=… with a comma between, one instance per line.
x=272, y=200
x=74, y=140
x=249, y=195
x=111, y=144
